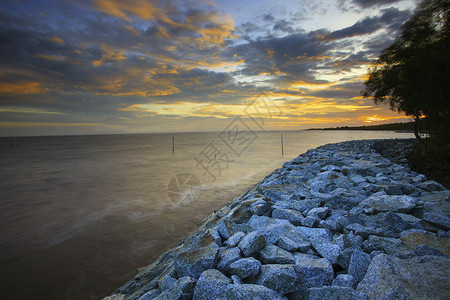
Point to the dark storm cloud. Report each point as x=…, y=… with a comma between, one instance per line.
x=268, y=18
x=283, y=25
x=372, y=3
x=295, y=55
x=391, y=18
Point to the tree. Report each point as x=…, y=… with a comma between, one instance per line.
x=413, y=74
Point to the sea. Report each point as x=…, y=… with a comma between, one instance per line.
x=79, y=214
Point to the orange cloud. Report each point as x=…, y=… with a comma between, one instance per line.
x=26, y=87
x=56, y=39
x=122, y=9
x=51, y=57
x=131, y=29
x=109, y=55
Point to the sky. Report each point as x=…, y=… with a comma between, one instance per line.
x=138, y=66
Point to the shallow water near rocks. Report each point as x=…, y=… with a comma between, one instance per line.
x=78, y=214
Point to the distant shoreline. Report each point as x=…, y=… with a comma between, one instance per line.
x=406, y=127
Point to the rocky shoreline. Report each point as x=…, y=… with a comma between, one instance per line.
x=338, y=222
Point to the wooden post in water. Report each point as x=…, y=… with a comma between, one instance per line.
x=173, y=144
x=282, y=147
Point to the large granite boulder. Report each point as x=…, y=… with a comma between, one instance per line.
x=380, y=203
x=293, y=216
x=183, y=289
x=423, y=277
x=194, y=262
x=250, y=292
x=252, y=243
x=280, y=278
x=359, y=262
x=272, y=254
x=313, y=271
x=335, y=293
x=212, y=284
x=245, y=267
x=227, y=257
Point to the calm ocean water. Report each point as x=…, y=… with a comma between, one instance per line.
x=79, y=214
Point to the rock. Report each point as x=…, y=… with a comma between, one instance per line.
x=335, y=293
x=443, y=234
x=262, y=223
x=227, y=227
x=357, y=242
x=314, y=271
x=245, y=267
x=273, y=229
x=306, y=204
x=291, y=240
x=315, y=232
x=380, y=203
x=326, y=248
x=167, y=282
x=408, y=189
x=362, y=171
x=287, y=244
x=183, y=289
x=413, y=239
x=399, y=222
x=426, y=250
x=423, y=277
x=319, y=212
x=419, y=178
x=272, y=254
x=227, y=257
x=152, y=294
x=291, y=215
x=437, y=219
x=343, y=259
x=388, y=245
x=345, y=171
x=344, y=280
x=357, y=179
x=280, y=278
x=363, y=231
x=252, y=243
x=236, y=279
x=393, y=189
x=260, y=207
x=431, y=186
x=212, y=284
x=240, y=214
x=214, y=233
x=310, y=221
x=281, y=205
x=275, y=194
x=251, y=291
x=359, y=262
x=234, y=240
x=193, y=263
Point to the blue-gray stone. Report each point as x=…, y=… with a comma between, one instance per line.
x=245, y=267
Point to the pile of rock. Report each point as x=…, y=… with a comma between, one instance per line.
x=338, y=222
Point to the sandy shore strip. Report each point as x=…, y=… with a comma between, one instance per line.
x=338, y=222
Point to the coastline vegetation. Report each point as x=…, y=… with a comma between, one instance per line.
x=406, y=126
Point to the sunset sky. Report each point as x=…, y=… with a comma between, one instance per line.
x=113, y=66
